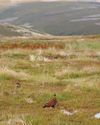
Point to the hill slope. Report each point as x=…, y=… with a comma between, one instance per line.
x=57, y=18
x=8, y=30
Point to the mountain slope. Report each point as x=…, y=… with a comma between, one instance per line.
x=12, y=30
x=57, y=18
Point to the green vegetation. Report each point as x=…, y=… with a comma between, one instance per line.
x=67, y=66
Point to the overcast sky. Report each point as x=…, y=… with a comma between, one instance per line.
x=17, y=1
x=53, y=0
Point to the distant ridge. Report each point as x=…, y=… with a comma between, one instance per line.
x=57, y=19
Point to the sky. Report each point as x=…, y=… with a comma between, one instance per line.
x=50, y=0
x=55, y=0
x=18, y=1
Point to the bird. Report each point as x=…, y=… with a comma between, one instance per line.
x=52, y=103
x=18, y=85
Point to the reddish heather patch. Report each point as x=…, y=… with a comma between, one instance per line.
x=31, y=46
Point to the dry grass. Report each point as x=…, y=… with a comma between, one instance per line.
x=11, y=74
x=69, y=67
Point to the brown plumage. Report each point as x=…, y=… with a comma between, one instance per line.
x=18, y=85
x=52, y=103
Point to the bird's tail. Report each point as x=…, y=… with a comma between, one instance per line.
x=45, y=106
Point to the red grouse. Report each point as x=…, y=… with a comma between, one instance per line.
x=18, y=85
x=52, y=103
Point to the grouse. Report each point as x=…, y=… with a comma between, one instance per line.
x=52, y=103
x=18, y=85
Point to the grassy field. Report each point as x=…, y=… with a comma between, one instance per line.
x=67, y=66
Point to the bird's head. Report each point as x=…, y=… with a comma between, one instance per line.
x=54, y=95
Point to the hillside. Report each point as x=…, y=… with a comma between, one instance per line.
x=67, y=66
x=8, y=30
x=57, y=18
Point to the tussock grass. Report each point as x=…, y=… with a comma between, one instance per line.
x=72, y=73
x=8, y=74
